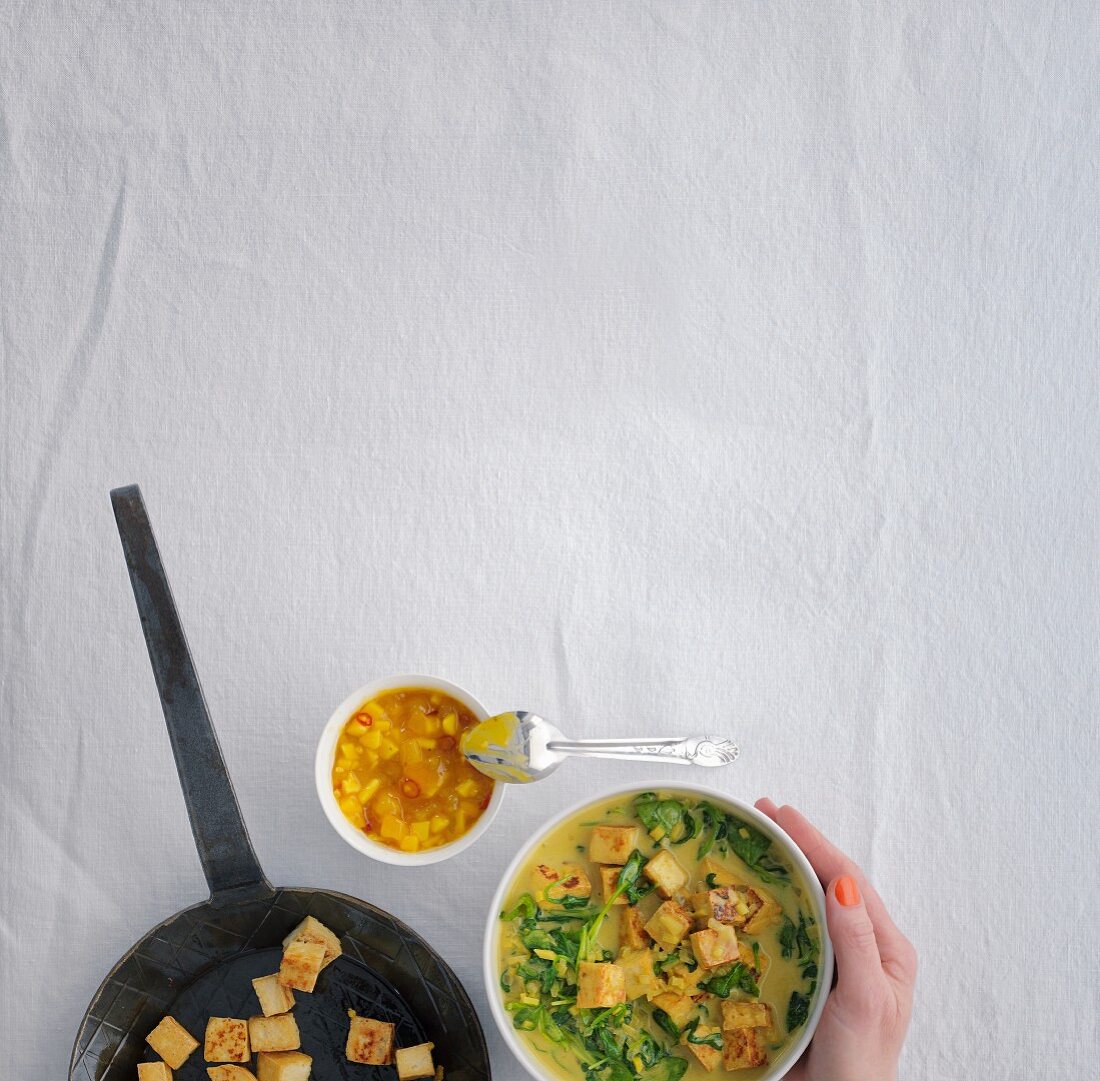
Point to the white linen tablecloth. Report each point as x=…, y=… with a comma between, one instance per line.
x=655, y=366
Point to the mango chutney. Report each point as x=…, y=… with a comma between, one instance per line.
x=400, y=775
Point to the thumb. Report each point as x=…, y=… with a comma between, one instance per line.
x=860, y=979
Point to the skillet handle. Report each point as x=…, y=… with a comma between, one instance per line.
x=230, y=864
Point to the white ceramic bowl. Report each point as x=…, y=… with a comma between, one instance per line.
x=326, y=756
x=490, y=963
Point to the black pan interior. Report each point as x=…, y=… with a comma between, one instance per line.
x=201, y=963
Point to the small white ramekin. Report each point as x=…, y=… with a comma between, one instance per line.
x=490, y=950
x=326, y=757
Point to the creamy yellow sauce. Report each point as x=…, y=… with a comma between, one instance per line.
x=568, y=844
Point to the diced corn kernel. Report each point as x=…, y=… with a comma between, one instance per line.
x=450, y=724
x=373, y=739
x=393, y=828
x=388, y=750
x=421, y=830
x=409, y=843
x=438, y=824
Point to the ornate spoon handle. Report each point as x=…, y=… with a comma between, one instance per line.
x=689, y=751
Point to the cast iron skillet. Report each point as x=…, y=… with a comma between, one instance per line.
x=200, y=962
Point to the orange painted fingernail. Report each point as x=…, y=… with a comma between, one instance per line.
x=847, y=892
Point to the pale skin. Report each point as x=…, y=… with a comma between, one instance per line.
x=865, y=1019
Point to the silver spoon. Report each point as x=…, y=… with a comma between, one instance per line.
x=521, y=747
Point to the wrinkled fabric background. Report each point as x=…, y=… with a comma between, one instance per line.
x=655, y=366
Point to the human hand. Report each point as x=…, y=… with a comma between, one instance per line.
x=866, y=1016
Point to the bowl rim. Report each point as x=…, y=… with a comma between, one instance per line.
x=325, y=757
x=522, y=1053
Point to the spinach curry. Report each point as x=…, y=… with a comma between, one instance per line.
x=654, y=939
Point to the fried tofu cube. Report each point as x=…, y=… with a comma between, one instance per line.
x=680, y=1008
x=155, y=1071
x=274, y=997
x=551, y=886
x=632, y=932
x=415, y=1062
x=612, y=844
x=668, y=925
x=313, y=930
x=746, y=1015
x=370, y=1042
x=725, y=904
x=226, y=1040
x=638, y=973
x=172, y=1042
x=301, y=965
x=715, y=945
x=229, y=1073
x=609, y=879
x=707, y=1056
x=744, y=1049
x=665, y=872
x=278, y=1033
x=764, y=910
x=600, y=984
x=283, y=1066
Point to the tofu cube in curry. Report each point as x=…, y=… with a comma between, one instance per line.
x=638, y=973
x=746, y=1015
x=609, y=879
x=314, y=931
x=708, y=1057
x=301, y=965
x=370, y=1042
x=273, y=996
x=226, y=1040
x=715, y=945
x=612, y=844
x=415, y=1062
x=600, y=984
x=724, y=904
x=228, y=1073
x=172, y=1042
x=744, y=1048
x=552, y=885
x=154, y=1071
x=680, y=1008
x=668, y=925
x=283, y=1066
x=755, y=961
x=278, y=1033
x=716, y=874
x=632, y=932
x=665, y=872
x=764, y=910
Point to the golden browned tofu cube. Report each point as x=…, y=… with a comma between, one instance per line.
x=665, y=872
x=744, y=1049
x=370, y=1042
x=638, y=974
x=716, y=874
x=313, y=930
x=283, y=1066
x=707, y=1056
x=278, y=1033
x=632, y=932
x=415, y=1062
x=274, y=997
x=226, y=1040
x=551, y=886
x=725, y=904
x=764, y=910
x=172, y=1042
x=612, y=844
x=756, y=962
x=746, y=1015
x=609, y=879
x=302, y=964
x=680, y=1008
x=155, y=1071
x=716, y=945
x=668, y=925
x=229, y=1073
x=600, y=984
